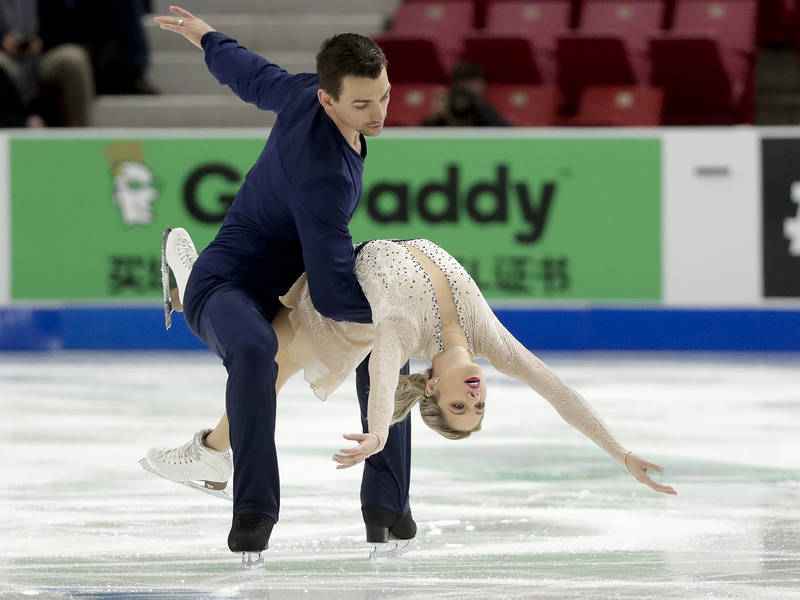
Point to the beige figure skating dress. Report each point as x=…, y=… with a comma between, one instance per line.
x=407, y=324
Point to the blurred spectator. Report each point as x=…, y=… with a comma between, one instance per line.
x=13, y=113
x=40, y=85
x=465, y=104
x=111, y=31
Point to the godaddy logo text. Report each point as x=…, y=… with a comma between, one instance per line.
x=449, y=201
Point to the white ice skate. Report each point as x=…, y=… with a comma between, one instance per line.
x=177, y=255
x=192, y=463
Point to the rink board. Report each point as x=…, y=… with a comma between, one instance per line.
x=674, y=238
x=142, y=328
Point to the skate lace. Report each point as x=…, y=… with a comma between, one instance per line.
x=186, y=454
x=186, y=252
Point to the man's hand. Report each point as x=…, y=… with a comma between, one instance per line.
x=185, y=23
x=350, y=457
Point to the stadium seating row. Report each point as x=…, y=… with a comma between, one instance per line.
x=703, y=64
x=778, y=20
x=537, y=105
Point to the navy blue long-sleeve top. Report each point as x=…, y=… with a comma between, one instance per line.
x=293, y=210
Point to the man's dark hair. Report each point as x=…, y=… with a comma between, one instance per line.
x=347, y=54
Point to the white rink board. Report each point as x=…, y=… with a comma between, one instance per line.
x=711, y=225
x=711, y=211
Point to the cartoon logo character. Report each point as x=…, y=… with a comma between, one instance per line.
x=134, y=188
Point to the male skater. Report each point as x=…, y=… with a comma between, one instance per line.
x=291, y=215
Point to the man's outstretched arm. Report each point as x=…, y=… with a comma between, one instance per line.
x=251, y=77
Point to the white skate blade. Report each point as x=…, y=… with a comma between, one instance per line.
x=195, y=486
x=252, y=560
x=391, y=550
x=165, y=280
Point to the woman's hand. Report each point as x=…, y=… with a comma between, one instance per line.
x=349, y=457
x=638, y=467
x=189, y=26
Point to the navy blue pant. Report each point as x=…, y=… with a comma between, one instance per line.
x=386, y=474
x=235, y=325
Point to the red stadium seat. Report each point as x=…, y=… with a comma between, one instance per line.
x=493, y=52
x=633, y=22
x=776, y=21
x=666, y=5
x=525, y=105
x=489, y=7
x=446, y=22
x=731, y=26
x=479, y=11
x=411, y=103
x=543, y=20
x=620, y=106
x=702, y=84
x=525, y=30
x=733, y=22
x=609, y=48
x=414, y=59
x=585, y=60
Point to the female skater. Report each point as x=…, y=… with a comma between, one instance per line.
x=425, y=306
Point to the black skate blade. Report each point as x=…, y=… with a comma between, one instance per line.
x=252, y=560
x=165, y=279
x=224, y=494
x=391, y=550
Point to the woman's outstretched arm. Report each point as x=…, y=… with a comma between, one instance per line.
x=510, y=357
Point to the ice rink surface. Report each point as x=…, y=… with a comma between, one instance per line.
x=527, y=508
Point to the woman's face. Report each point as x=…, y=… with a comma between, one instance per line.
x=462, y=395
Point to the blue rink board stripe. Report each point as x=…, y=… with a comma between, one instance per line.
x=142, y=328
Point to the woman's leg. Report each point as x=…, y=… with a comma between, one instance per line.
x=219, y=438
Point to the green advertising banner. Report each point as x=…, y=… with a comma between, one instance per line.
x=529, y=218
x=87, y=214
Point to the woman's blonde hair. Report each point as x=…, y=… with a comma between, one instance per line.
x=410, y=391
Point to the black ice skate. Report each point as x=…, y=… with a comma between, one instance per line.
x=250, y=535
x=389, y=533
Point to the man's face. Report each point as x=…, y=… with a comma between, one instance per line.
x=363, y=102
